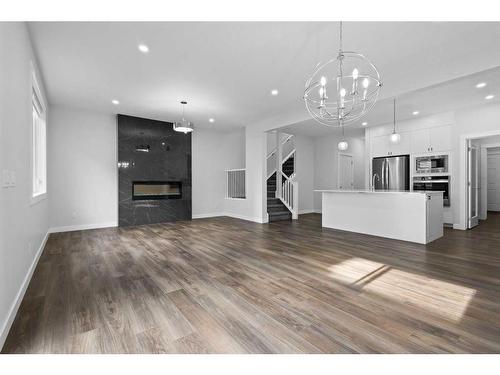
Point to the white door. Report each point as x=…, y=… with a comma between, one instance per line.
x=472, y=185
x=494, y=182
x=346, y=172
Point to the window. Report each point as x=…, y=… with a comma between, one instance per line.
x=39, y=142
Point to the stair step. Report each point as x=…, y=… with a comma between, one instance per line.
x=275, y=204
x=279, y=217
x=277, y=210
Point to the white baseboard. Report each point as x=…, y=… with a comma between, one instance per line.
x=228, y=214
x=20, y=294
x=459, y=227
x=204, y=216
x=243, y=217
x=71, y=228
x=309, y=211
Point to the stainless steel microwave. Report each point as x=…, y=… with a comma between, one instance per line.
x=431, y=164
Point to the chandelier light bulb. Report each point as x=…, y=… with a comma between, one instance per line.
x=366, y=83
x=355, y=74
x=342, y=103
x=343, y=145
x=323, y=81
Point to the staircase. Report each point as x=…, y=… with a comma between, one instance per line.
x=275, y=208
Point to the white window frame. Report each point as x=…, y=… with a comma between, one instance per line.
x=38, y=142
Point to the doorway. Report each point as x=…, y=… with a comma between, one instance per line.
x=346, y=172
x=472, y=184
x=482, y=179
x=493, y=179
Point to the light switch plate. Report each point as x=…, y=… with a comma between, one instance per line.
x=13, y=178
x=5, y=178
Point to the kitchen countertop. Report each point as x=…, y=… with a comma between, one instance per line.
x=369, y=191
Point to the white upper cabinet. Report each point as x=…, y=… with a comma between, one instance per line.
x=420, y=141
x=401, y=148
x=382, y=146
x=440, y=138
x=436, y=139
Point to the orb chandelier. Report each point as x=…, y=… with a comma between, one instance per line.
x=183, y=126
x=343, y=89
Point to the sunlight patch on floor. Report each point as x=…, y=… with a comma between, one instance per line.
x=441, y=298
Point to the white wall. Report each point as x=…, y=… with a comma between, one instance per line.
x=304, y=163
x=208, y=176
x=214, y=152
x=23, y=227
x=83, y=144
x=83, y=174
x=326, y=164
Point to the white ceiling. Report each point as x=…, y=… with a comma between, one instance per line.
x=226, y=70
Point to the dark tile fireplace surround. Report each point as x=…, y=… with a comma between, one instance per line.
x=154, y=172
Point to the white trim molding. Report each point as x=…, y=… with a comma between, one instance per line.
x=20, y=294
x=228, y=214
x=205, y=216
x=309, y=211
x=71, y=228
x=243, y=217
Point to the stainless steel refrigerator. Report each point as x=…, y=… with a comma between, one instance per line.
x=391, y=173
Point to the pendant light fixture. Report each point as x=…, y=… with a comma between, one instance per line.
x=395, y=137
x=343, y=89
x=183, y=126
x=343, y=145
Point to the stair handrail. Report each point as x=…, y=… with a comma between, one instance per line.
x=273, y=151
x=283, y=162
x=288, y=156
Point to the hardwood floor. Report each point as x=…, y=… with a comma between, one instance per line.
x=223, y=285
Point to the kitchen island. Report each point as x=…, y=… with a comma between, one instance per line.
x=403, y=215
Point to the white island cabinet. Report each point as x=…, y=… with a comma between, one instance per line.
x=403, y=215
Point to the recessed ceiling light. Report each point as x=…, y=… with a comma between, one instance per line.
x=115, y=102
x=414, y=113
x=211, y=120
x=480, y=85
x=364, y=123
x=143, y=48
x=488, y=97
x=274, y=92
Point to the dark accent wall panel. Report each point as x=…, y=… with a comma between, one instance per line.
x=168, y=159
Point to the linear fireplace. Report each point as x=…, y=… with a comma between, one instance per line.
x=154, y=190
